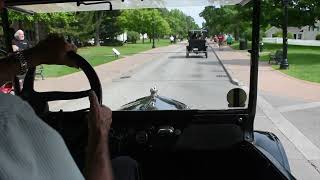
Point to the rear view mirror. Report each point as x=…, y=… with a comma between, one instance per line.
x=236, y=97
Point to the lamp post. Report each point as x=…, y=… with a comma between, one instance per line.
x=284, y=62
x=153, y=32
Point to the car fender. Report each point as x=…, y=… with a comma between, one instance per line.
x=270, y=143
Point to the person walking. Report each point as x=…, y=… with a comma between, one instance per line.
x=220, y=39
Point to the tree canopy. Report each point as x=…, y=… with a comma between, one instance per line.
x=237, y=19
x=109, y=24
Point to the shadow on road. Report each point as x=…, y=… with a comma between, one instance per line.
x=184, y=57
x=208, y=63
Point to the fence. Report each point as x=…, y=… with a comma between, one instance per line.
x=292, y=41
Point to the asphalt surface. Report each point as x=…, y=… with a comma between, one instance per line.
x=199, y=82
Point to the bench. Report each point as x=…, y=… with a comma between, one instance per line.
x=276, y=57
x=39, y=71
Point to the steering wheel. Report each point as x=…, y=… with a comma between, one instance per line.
x=39, y=100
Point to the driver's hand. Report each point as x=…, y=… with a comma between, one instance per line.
x=99, y=119
x=53, y=50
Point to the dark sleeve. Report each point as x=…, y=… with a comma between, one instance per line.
x=14, y=42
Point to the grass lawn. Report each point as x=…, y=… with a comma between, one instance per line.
x=102, y=54
x=304, y=61
x=235, y=45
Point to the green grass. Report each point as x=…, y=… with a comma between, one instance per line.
x=304, y=61
x=102, y=54
x=235, y=45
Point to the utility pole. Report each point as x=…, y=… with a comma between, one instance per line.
x=284, y=62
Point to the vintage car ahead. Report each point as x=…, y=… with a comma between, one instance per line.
x=197, y=43
x=169, y=140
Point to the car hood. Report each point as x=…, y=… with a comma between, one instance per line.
x=154, y=102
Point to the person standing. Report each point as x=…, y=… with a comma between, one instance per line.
x=229, y=39
x=19, y=43
x=171, y=39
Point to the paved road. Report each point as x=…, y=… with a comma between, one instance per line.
x=196, y=81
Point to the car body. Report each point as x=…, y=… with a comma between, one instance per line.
x=197, y=42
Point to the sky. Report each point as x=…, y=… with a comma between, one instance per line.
x=194, y=12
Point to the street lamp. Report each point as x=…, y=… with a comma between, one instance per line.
x=153, y=32
x=284, y=62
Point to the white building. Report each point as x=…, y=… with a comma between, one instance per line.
x=304, y=33
x=145, y=36
x=122, y=37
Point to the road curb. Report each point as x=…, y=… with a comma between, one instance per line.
x=231, y=79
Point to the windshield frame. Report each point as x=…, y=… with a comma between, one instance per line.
x=250, y=111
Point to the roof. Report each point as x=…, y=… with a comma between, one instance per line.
x=272, y=28
x=48, y=6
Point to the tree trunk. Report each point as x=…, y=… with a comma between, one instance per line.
x=36, y=29
x=236, y=34
x=142, y=38
x=97, y=29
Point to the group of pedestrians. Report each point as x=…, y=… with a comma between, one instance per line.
x=221, y=38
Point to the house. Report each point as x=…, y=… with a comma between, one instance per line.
x=303, y=33
x=122, y=37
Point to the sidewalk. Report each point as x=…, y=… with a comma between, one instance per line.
x=279, y=93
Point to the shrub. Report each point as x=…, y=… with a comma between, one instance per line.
x=111, y=42
x=318, y=37
x=279, y=34
x=133, y=36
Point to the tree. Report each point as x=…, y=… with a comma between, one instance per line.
x=110, y=27
x=237, y=19
x=179, y=23
x=142, y=21
x=133, y=36
x=55, y=22
x=227, y=19
x=132, y=20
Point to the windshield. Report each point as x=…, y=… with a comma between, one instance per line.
x=182, y=52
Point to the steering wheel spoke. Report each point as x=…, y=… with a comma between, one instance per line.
x=39, y=100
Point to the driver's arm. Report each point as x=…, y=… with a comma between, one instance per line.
x=49, y=51
x=98, y=164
